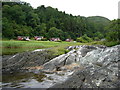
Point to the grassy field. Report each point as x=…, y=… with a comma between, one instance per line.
x=11, y=46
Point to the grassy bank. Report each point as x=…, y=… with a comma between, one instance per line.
x=106, y=43
x=11, y=46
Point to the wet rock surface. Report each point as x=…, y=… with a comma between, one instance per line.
x=21, y=61
x=83, y=67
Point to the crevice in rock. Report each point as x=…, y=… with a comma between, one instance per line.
x=65, y=60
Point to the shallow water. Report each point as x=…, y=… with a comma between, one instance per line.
x=22, y=80
x=101, y=62
x=32, y=80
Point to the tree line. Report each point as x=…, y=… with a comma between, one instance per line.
x=20, y=19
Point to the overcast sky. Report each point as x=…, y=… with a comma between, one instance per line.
x=106, y=8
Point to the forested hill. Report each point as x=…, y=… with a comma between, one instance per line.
x=98, y=19
x=99, y=22
x=20, y=19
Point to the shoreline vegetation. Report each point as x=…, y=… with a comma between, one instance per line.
x=57, y=36
x=21, y=19
x=10, y=47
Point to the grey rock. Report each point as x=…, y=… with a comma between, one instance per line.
x=101, y=68
x=70, y=59
x=17, y=62
x=97, y=66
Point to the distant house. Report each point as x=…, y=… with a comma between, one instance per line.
x=38, y=37
x=54, y=39
x=25, y=38
x=69, y=40
x=20, y=38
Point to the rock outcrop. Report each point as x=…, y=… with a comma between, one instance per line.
x=21, y=61
x=83, y=67
x=100, y=67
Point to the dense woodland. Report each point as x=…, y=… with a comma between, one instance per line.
x=20, y=19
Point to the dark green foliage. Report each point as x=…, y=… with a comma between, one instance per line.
x=20, y=19
x=84, y=39
x=113, y=31
x=106, y=43
x=98, y=36
x=96, y=26
x=56, y=33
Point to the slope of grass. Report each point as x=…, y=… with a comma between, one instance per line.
x=58, y=48
x=12, y=47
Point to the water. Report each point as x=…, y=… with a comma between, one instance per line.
x=102, y=64
x=22, y=80
x=33, y=80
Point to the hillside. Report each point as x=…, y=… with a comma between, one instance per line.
x=98, y=19
x=84, y=54
x=20, y=19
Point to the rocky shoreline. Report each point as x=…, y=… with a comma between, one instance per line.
x=21, y=61
x=83, y=67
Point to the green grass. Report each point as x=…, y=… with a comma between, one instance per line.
x=12, y=46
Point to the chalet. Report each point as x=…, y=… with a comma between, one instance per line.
x=26, y=38
x=69, y=40
x=54, y=39
x=20, y=38
x=38, y=37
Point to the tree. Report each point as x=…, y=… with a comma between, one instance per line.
x=56, y=33
x=22, y=19
x=113, y=31
x=43, y=31
x=7, y=29
x=98, y=36
x=84, y=39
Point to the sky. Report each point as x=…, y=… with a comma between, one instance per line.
x=105, y=8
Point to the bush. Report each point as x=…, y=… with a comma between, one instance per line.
x=111, y=43
x=81, y=40
x=106, y=43
x=84, y=39
x=96, y=39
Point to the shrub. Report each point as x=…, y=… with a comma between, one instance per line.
x=81, y=40
x=84, y=39
x=96, y=39
x=111, y=43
